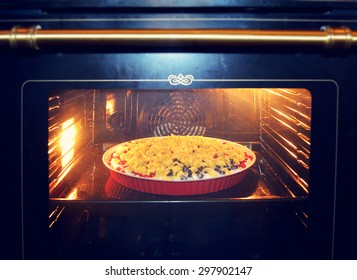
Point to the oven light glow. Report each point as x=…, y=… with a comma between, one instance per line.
x=73, y=194
x=67, y=141
x=110, y=105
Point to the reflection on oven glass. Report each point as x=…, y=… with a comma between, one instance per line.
x=274, y=122
x=67, y=141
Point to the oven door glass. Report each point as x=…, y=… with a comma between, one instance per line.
x=282, y=123
x=274, y=123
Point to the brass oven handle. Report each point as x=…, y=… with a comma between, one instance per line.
x=36, y=38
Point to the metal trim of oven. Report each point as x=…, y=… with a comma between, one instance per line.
x=35, y=37
x=231, y=19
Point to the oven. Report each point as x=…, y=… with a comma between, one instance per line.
x=279, y=80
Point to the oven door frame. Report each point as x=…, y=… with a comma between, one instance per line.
x=320, y=203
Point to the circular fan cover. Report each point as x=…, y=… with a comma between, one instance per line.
x=177, y=114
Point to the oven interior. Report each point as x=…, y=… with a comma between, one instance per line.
x=92, y=216
x=83, y=123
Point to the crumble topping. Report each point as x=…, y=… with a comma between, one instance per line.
x=180, y=157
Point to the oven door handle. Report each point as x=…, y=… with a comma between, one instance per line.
x=37, y=38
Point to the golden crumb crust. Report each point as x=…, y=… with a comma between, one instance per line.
x=179, y=157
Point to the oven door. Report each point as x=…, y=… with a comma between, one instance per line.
x=283, y=208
